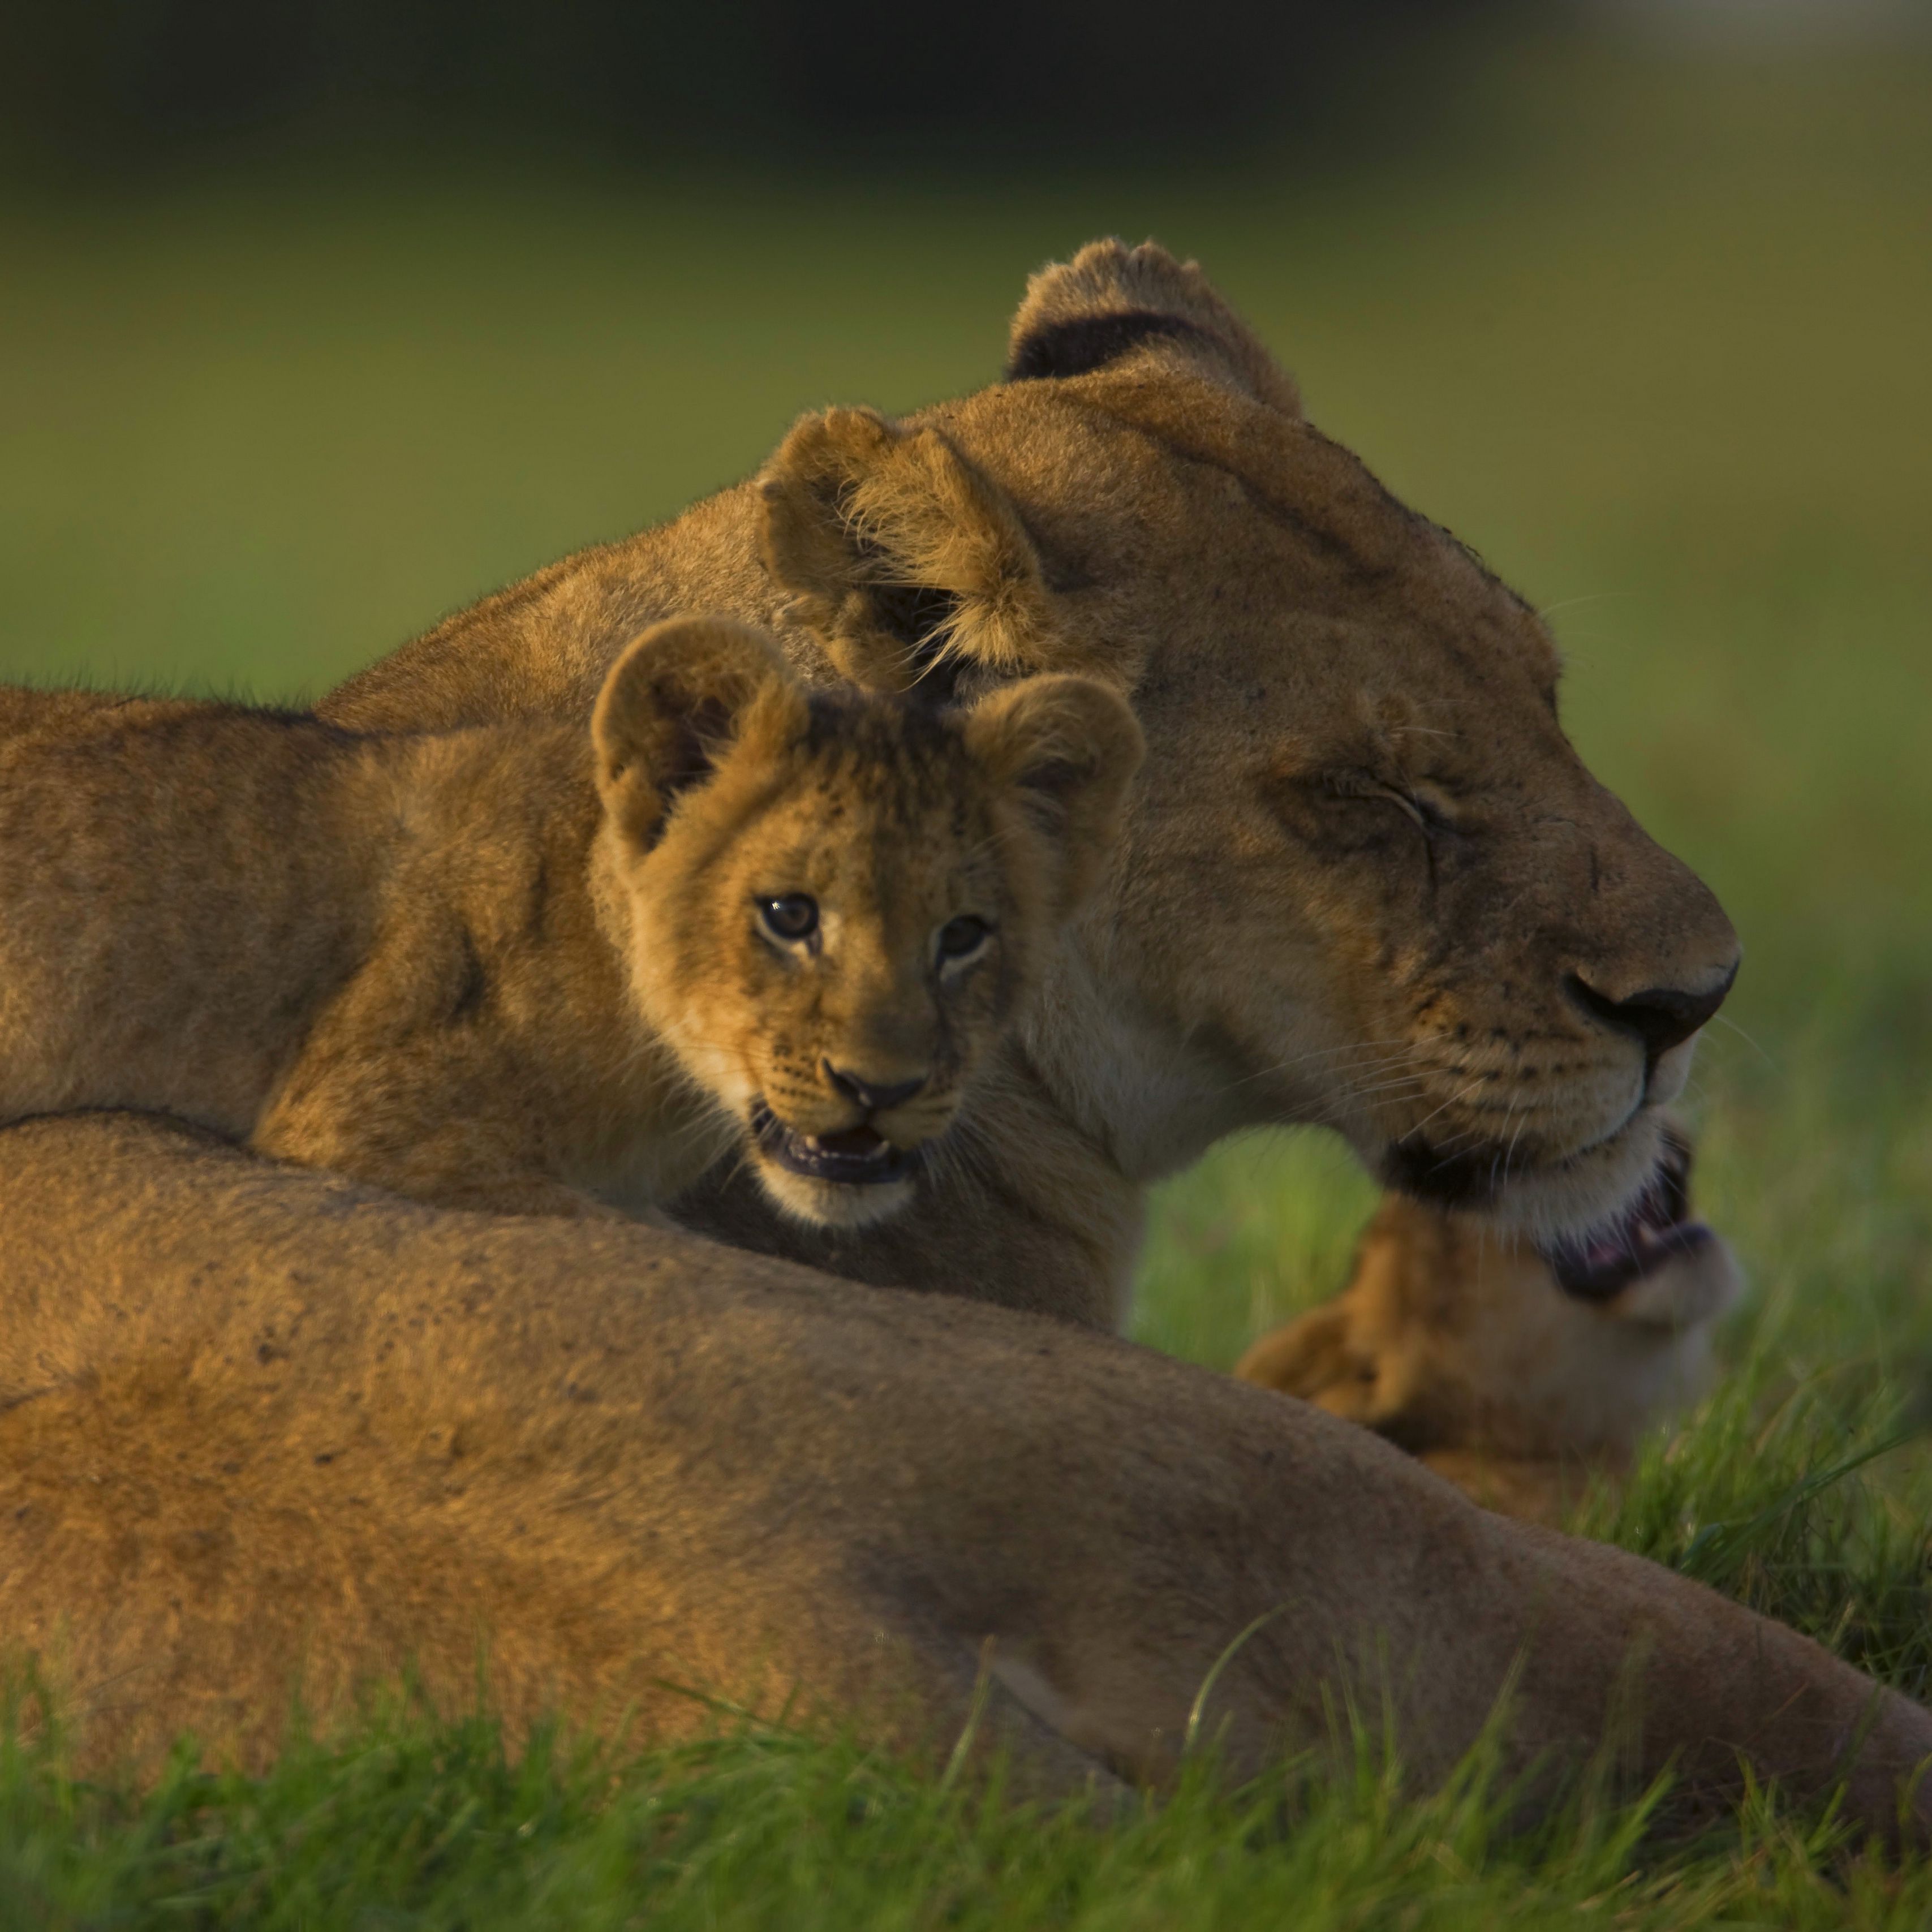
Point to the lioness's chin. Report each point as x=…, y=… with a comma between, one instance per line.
x=834, y=1203
x=1563, y=1200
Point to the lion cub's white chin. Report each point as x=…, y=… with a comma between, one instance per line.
x=835, y=1204
x=847, y=1177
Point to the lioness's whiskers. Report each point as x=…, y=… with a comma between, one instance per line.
x=1373, y=1059
x=1463, y=1094
x=1725, y=1020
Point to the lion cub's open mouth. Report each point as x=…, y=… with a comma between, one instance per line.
x=857, y=1156
x=1656, y=1227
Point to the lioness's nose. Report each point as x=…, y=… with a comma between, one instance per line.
x=870, y=1094
x=1661, y=1017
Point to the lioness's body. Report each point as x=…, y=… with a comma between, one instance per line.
x=270, y=1420
x=377, y=953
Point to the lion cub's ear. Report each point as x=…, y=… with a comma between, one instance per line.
x=901, y=556
x=1071, y=747
x=1318, y=1358
x=682, y=695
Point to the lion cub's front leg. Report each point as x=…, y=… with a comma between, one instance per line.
x=461, y=1166
x=396, y=1085
x=464, y=1165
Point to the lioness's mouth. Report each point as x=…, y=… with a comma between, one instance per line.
x=855, y=1157
x=1655, y=1228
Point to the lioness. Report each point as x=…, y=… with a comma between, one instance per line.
x=538, y=970
x=1364, y=880
x=1519, y=1376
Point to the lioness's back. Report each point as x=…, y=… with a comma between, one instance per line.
x=155, y=853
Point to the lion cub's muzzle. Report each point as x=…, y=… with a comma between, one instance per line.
x=859, y=1156
x=854, y=1156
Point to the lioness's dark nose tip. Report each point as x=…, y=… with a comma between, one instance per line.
x=874, y=1098
x=1661, y=1017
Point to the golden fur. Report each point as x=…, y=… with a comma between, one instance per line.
x=1365, y=879
x=1456, y=1343
x=315, y=1429
x=335, y=1427
x=488, y=968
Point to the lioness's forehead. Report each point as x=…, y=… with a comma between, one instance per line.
x=1199, y=515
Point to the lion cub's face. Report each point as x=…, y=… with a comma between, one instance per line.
x=1456, y=1338
x=836, y=902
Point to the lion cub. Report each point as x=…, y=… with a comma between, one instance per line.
x=540, y=969
x=1516, y=1374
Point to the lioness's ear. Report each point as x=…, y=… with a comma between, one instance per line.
x=1071, y=747
x=678, y=699
x=1112, y=302
x=900, y=554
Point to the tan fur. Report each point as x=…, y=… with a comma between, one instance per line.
x=1456, y=1342
x=263, y=1414
x=464, y=966
x=1316, y=669
x=253, y=1419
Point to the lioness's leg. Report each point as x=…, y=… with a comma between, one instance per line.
x=634, y=1457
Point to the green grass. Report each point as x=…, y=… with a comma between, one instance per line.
x=429, y=1825
x=1652, y=336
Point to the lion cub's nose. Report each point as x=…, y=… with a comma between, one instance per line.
x=869, y=1094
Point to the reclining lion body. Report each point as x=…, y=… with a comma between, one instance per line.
x=271, y=1420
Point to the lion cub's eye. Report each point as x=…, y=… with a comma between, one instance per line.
x=791, y=917
x=960, y=938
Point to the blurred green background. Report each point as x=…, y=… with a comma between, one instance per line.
x=1644, y=317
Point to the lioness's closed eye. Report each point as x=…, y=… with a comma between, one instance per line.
x=515, y=968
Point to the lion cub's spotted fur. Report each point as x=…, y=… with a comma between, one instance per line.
x=523, y=968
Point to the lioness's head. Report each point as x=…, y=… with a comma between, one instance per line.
x=1366, y=879
x=835, y=901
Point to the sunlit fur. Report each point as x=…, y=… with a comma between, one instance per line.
x=267, y=1434
x=1453, y=1339
x=642, y=1463
x=459, y=965
x=894, y=818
